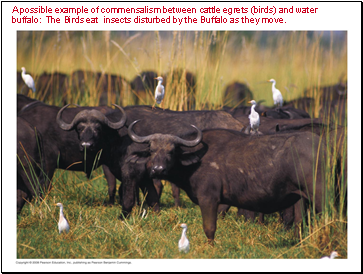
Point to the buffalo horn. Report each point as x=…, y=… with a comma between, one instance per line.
x=95, y=113
x=120, y=123
x=63, y=125
x=136, y=138
x=191, y=143
x=177, y=140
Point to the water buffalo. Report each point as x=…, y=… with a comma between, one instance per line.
x=176, y=80
x=286, y=113
x=145, y=83
x=51, y=86
x=30, y=177
x=24, y=101
x=265, y=174
x=329, y=93
x=177, y=122
x=157, y=120
x=237, y=93
x=109, y=87
x=245, y=110
x=62, y=148
x=304, y=103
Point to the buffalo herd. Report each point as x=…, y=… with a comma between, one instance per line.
x=210, y=154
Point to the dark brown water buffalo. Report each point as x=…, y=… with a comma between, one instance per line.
x=24, y=101
x=50, y=87
x=62, y=148
x=265, y=174
x=286, y=113
x=30, y=177
x=177, y=79
x=270, y=126
x=237, y=94
x=329, y=93
x=157, y=120
x=305, y=103
x=109, y=87
x=245, y=110
x=143, y=85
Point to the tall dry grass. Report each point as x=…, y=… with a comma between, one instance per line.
x=296, y=60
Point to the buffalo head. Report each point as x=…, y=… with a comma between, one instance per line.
x=89, y=125
x=163, y=151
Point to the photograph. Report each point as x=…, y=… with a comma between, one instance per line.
x=191, y=132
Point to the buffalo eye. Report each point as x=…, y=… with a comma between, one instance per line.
x=80, y=128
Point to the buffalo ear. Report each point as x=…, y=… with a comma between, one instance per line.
x=137, y=158
x=189, y=159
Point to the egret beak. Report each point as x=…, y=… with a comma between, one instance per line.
x=249, y=102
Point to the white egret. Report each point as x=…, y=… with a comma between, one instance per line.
x=159, y=91
x=184, y=242
x=28, y=79
x=333, y=255
x=63, y=223
x=276, y=94
x=254, y=117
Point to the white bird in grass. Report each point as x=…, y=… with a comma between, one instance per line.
x=276, y=94
x=332, y=255
x=159, y=91
x=63, y=223
x=28, y=79
x=254, y=117
x=184, y=242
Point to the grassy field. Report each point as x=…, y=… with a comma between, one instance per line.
x=297, y=60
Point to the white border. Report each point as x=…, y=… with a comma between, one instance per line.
x=331, y=16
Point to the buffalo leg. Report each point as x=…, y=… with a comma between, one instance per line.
x=127, y=192
x=158, y=186
x=294, y=215
x=223, y=209
x=152, y=197
x=111, y=181
x=175, y=190
x=251, y=215
x=209, y=214
x=176, y=194
x=21, y=197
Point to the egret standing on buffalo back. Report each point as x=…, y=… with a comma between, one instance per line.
x=159, y=92
x=28, y=79
x=254, y=117
x=276, y=94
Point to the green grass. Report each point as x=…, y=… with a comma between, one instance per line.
x=296, y=60
x=97, y=232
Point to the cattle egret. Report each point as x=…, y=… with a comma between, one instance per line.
x=332, y=255
x=159, y=91
x=254, y=117
x=63, y=223
x=276, y=94
x=28, y=79
x=184, y=242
